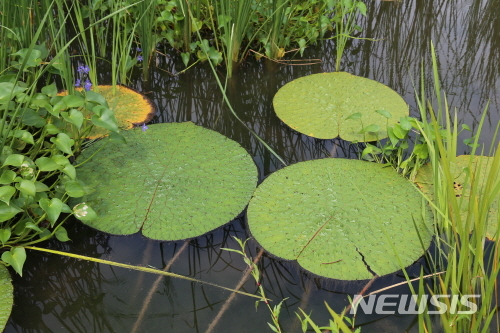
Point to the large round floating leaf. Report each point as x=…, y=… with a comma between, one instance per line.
x=341, y=219
x=328, y=105
x=6, y=296
x=130, y=107
x=172, y=181
x=479, y=170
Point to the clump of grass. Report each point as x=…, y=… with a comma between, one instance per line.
x=470, y=259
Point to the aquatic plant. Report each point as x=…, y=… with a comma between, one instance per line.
x=375, y=232
x=328, y=105
x=463, y=222
x=168, y=194
x=345, y=25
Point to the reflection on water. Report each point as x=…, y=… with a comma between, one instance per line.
x=58, y=294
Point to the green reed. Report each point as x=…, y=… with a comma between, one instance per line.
x=471, y=261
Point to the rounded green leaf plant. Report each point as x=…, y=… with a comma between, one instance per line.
x=6, y=296
x=479, y=170
x=328, y=105
x=172, y=181
x=341, y=219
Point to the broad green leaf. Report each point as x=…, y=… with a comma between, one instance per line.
x=336, y=216
x=398, y=131
x=8, y=211
x=64, y=143
x=105, y=119
x=46, y=164
x=16, y=258
x=94, y=97
x=6, y=192
x=52, y=129
x=74, y=189
x=371, y=128
x=62, y=234
x=14, y=160
x=481, y=167
x=354, y=116
x=27, y=187
x=165, y=183
x=74, y=117
x=323, y=105
x=41, y=187
x=52, y=207
x=50, y=90
x=6, y=296
x=24, y=135
x=32, y=118
x=70, y=171
x=385, y=113
x=31, y=225
x=8, y=90
x=73, y=101
x=5, y=235
x=7, y=176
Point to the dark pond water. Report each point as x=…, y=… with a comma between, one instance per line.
x=58, y=294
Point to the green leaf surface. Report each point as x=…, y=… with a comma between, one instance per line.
x=46, y=164
x=336, y=216
x=16, y=258
x=27, y=187
x=6, y=296
x=173, y=181
x=322, y=106
x=7, y=177
x=64, y=143
x=6, y=192
x=52, y=207
x=8, y=211
x=481, y=169
x=5, y=235
x=62, y=234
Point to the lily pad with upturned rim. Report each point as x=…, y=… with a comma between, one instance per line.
x=481, y=166
x=341, y=219
x=320, y=105
x=130, y=107
x=173, y=181
x=6, y=296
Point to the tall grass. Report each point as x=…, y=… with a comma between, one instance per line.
x=470, y=259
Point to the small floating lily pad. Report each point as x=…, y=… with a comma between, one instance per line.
x=6, y=296
x=328, y=105
x=172, y=181
x=130, y=107
x=480, y=168
x=341, y=219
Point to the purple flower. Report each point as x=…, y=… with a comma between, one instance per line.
x=140, y=58
x=83, y=69
x=138, y=49
x=78, y=83
x=87, y=85
x=144, y=127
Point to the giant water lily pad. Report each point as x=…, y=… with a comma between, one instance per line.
x=130, y=107
x=172, y=181
x=328, y=105
x=341, y=219
x=480, y=168
x=6, y=296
